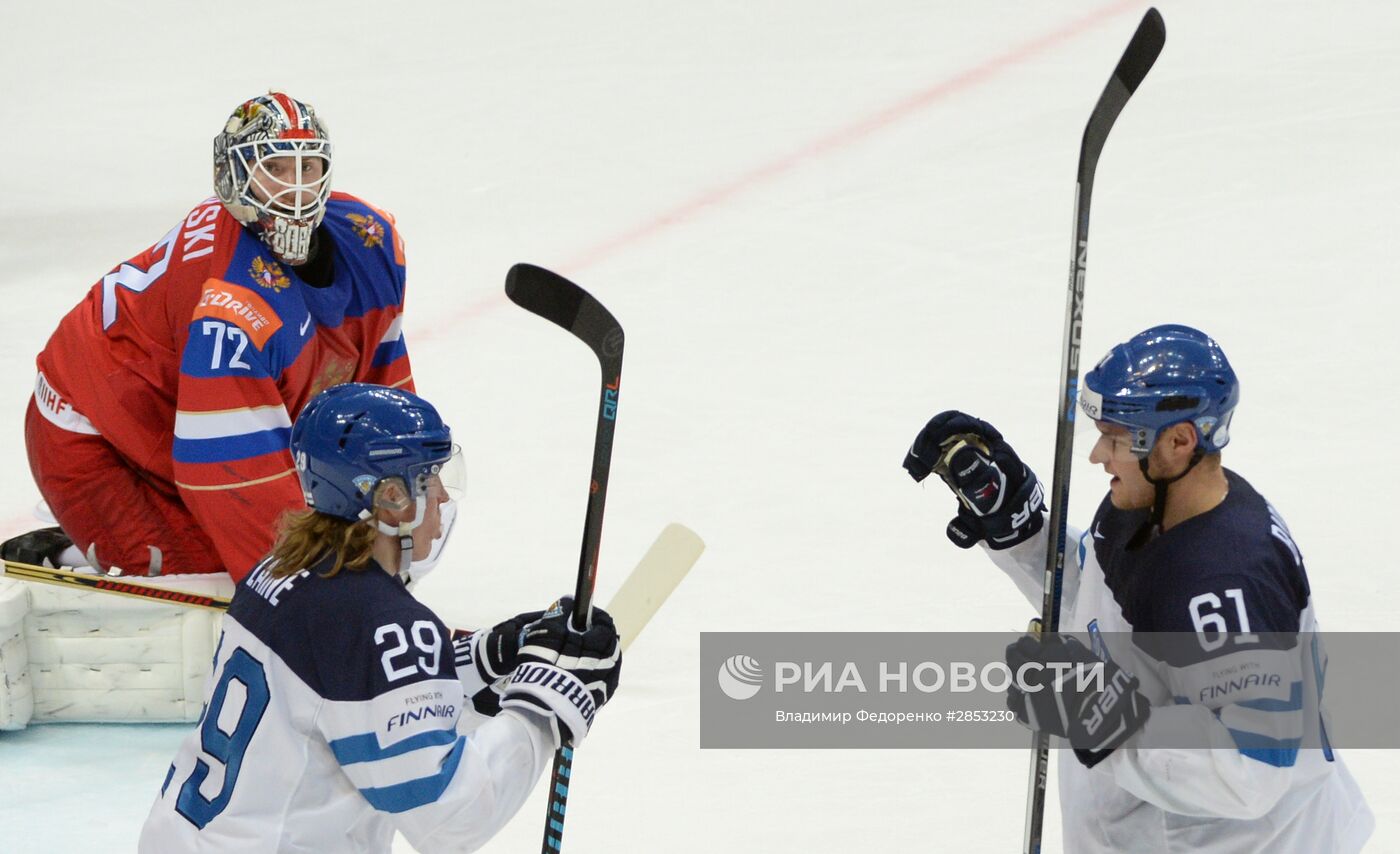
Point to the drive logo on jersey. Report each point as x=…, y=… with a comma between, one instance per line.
x=368, y=228
x=268, y=274
x=740, y=677
x=239, y=306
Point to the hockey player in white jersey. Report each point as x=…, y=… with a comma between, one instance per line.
x=1179, y=545
x=335, y=711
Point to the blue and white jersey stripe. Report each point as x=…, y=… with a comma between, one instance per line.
x=234, y=434
x=391, y=346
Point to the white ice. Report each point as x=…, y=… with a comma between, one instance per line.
x=820, y=223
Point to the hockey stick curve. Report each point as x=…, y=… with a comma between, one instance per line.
x=565, y=304
x=1138, y=58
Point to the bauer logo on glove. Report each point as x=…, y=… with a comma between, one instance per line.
x=1097, y=715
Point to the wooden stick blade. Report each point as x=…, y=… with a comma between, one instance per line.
x=660, y=571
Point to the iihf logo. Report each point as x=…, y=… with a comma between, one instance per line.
x=740, y=677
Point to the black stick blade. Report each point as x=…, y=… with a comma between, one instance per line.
x=565, y=304
x=547, y=294
x=1142, y=51
x=1138, y=59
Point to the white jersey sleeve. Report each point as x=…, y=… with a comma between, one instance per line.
x=1254, y=726
x=1024, y=564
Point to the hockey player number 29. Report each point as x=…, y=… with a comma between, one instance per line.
x=425, y=637
x=226, y=747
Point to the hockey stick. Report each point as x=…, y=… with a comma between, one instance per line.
x=565, y=304
x=112, y=584
x=1137, y=60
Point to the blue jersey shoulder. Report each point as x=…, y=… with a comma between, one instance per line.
x=369, y=250
x=278, y=311
x=352, y=636
x=246, y=314
x=1237, y=560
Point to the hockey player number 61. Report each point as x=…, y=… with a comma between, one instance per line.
x=1214, y=621
x=228, y=748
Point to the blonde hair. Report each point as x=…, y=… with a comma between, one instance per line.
x=306, y=536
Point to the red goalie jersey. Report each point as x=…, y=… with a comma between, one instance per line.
x=165, y=399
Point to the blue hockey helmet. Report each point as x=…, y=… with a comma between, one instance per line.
x=1165, y=375
x=351, y=438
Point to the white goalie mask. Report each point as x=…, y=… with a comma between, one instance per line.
x=272, y=171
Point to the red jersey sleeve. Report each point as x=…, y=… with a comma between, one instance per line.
x=232, y=465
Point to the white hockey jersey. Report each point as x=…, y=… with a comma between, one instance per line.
x=333, y=717
x=1234, y=568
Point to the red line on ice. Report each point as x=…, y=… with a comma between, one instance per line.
x=838, y=139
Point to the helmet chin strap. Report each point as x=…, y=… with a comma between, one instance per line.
x=1159, y=498
x=404, y=531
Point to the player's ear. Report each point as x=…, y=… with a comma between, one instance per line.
x=1181, y=439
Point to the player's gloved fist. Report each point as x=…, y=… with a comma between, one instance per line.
x=564, y=674
x=497, y=649
x=1000, y=500
x=486, y=656
x=1095, y=714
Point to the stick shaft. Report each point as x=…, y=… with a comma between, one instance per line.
x=565, y=304
x=1137, y=60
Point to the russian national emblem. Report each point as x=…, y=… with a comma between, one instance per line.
x=268, y=274
x=368, y=228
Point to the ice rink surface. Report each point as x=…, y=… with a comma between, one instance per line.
x=820, y=223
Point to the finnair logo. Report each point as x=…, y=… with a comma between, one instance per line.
x=740, y=677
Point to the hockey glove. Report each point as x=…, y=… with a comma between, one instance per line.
x=563, y=674
x=484, y=657
x=1000, y=500
x=1096, y=716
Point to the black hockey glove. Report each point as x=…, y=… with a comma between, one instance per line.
x=1096, y=722
x=489, y=655
x=564, y=674
x=999, y=498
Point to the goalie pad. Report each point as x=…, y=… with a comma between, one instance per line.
x=93, y=656
x=16, y=692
